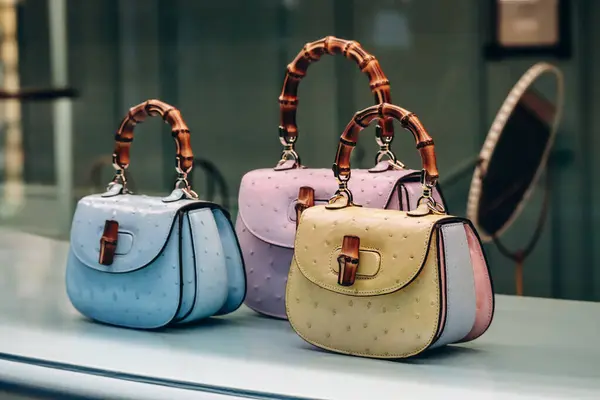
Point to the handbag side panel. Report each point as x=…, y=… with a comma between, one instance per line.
x=234, y=262
x=484, y=286
x=204, y=259
x=267, y=268
x=458, y=287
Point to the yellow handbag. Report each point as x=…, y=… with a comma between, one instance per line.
x=386, y=283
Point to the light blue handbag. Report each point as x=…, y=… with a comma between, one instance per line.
x=148, y=262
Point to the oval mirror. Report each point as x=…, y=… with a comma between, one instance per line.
x=514, y=156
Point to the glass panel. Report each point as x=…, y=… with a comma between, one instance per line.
x=222, y=64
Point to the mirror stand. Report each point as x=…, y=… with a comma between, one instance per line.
x=519, y=256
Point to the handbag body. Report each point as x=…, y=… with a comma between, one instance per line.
x=147, y=262
x=387, y=283
x=269, y=197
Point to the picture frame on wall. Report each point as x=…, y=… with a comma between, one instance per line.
x=525, y=28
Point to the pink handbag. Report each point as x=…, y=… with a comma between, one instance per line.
x=270, y=199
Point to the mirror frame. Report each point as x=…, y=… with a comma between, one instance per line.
x=487, y=150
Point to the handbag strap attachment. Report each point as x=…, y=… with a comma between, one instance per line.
x=425, y=145
x=296, y=70
x=184, y=158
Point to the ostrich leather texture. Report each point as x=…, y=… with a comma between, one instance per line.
x=266, y=223
x=412, y=302
x=175, y=262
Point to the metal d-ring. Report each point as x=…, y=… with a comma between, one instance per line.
x=289, y=151
x=181, y=181
x=433, y=205
x=342, y=191
x=183, y=184
x=384, y=144
x=383, y=152
x=427, y=195
x=119, y=179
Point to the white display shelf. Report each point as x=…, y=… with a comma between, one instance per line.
x=535, y=349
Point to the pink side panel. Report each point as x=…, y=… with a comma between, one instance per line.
x=483, y=288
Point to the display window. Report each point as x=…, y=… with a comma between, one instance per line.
x=324, y=199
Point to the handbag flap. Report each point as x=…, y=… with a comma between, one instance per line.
x=267, y=197
x=401, y=241
x=145, y=223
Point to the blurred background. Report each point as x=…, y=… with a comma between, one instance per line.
x=222, y=64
